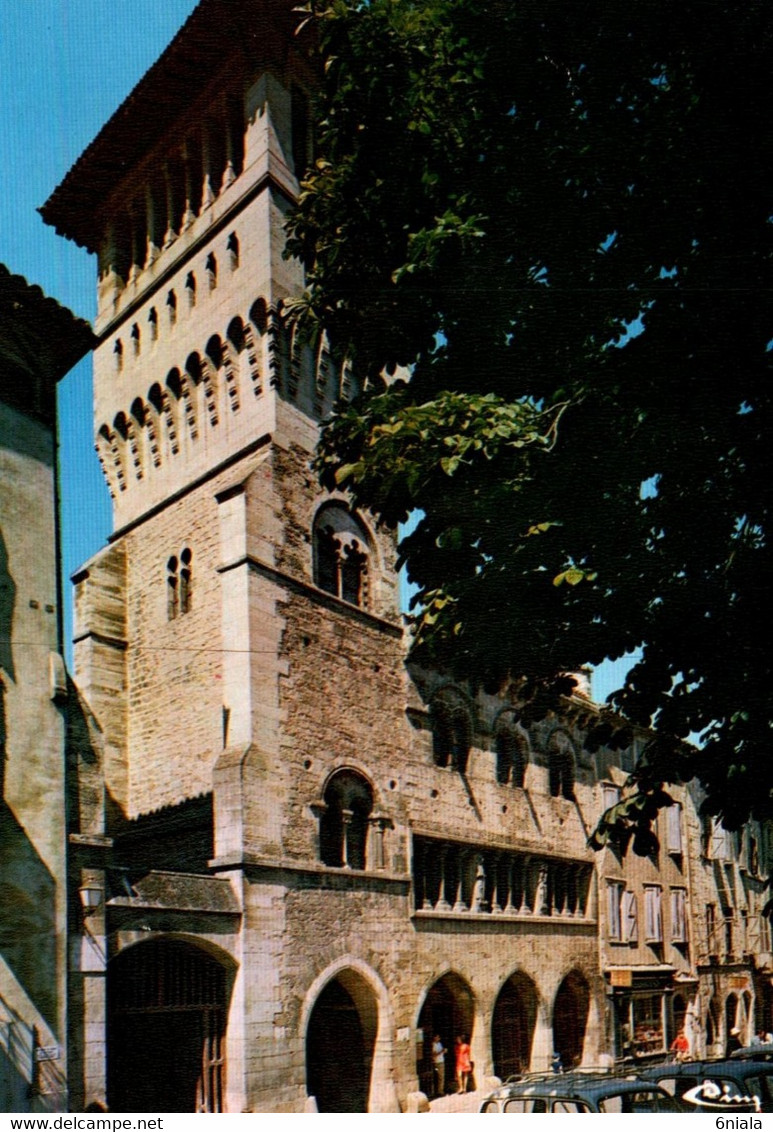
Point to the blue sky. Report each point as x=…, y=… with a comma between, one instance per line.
x=65, y=65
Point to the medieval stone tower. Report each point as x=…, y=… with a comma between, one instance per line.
x=300, y=864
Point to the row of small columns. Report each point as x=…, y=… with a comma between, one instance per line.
x=209, y=163
x=454, y=878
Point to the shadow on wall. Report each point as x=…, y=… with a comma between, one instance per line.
x=27, y=888
x=7, y=601
x=27, y=920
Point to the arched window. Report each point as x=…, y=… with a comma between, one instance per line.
x=190, y=289
x=172, y=589
x=210, y=267
x=512, y=749
x=561, y=765
x=341, y=555
x=118, y=354
x=153, y=324
x=233, y=251
x=171, y=306
x=344, y=821
x=135, y=336
x=451, y=729
x=186, y=578
x=179, y=578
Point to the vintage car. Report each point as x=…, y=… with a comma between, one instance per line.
x=732, y=1085
x=580, y=1091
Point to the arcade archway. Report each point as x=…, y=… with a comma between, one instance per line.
x=340, y=1040
x=570, y=1018
x=448, y=1010
x=167, y=1007
x=512, y=1030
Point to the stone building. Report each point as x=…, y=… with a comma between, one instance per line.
x=304, y=861
x=39, y=342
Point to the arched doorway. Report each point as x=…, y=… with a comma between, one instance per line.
x=448, y=1010
x=731, y=1016
x=512, y=1030
x=340, y=1039
x=570, y=1017
x=167, y=1007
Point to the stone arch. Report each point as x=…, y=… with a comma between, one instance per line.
x=345, y=819
x=732, y=1014
x=571, y=1007
x=160, y=404
x=180, y=392
x=167, y=1003
x=109, y=456
x=359, y=995
x=242, y=349
x=513, y=1023
x=561, y=764
x=125, y=428
x=451, y=716
x=512, y=748
x=447, y=1009
x=199, y=373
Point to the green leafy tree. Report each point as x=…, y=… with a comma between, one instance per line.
x=558, y=215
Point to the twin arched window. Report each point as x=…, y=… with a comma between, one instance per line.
x=341, y=554
x=344, y=821
x=179, y=580
x=561, y=765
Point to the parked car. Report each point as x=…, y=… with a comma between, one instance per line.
x=580, y=1091
x=737, y=1084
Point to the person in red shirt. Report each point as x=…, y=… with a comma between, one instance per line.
x=680, y=1046
x=463, y=1063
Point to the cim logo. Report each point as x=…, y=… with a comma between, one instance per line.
x=713, y=1096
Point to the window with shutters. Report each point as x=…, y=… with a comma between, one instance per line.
x=630, y=918
x=674, y=829
x=678, y=915
x=610, y=795
x=614, y=902
x=653, y=916
x=718, y=842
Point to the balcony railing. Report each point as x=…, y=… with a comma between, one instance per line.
x=450, y=877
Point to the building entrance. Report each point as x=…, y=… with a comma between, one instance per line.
x=515, y=1014
x=167, y=1004
x=340, y=1040
x=570, y=1017
x=448, y=1011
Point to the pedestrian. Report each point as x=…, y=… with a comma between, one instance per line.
x=733, y=1042
x=680, y=1046
x=439, y=1065
x=463, y=1063
x=557, y=1064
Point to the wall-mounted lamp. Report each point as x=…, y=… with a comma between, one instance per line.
x=91, y=898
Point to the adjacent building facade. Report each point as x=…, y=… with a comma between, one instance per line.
x=298, y=861
x=39, y=342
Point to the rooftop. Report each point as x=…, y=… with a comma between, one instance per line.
x=259, y=30
x=40, y=340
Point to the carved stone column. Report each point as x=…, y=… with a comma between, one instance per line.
x=460, y=904
x=346, y=822
x=442, y=903
x=379, y=825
